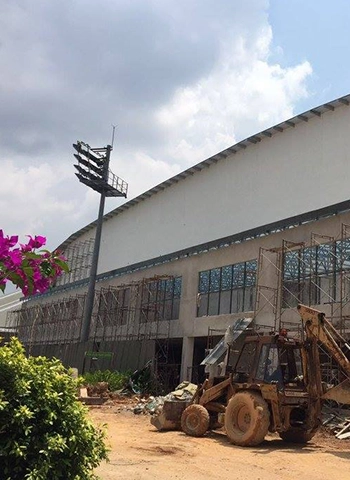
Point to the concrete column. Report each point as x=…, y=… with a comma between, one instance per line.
x=187, y=358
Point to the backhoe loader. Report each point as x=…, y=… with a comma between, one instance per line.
x=275, y=386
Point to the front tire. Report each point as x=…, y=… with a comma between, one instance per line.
x=247, y=419
x=195, y=420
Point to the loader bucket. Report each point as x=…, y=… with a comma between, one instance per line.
x=170, y=416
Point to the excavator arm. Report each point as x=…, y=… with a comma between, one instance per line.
x=319, y=330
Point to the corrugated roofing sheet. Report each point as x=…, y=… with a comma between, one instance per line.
x=233, y=332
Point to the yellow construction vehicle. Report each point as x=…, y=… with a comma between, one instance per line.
x=275, y=386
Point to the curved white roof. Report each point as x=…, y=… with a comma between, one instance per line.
x=246, y=143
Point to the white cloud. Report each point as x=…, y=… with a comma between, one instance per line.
x=143, y=172
x=243, y=94
x=181, y=88
x=33, y=201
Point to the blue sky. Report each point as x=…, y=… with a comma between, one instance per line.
x=182, y=80
x=316, y=31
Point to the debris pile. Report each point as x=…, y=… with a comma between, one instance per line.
x=99, y=394
x=184, y=392
x=154, y=405
x=337, y=421
x=168, y=416
x=85, y=397
x=150, y=405
x=99, y=389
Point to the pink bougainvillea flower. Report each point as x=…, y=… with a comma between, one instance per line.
x=32, y=272
x=7, y=242
x=42, y=285
x=37, y=242
x=15, y=256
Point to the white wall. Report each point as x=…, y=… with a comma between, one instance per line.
x=7, y=303
x=301, y=169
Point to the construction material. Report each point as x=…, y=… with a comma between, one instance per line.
x=337, y=421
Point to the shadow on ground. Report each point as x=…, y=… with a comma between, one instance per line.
x=274, y=444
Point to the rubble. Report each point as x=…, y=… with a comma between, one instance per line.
x=99, y=394
x=154, y=405
x=99, y=389
x=168, y=415
x=184, y=391
x=151, y=405
x=337, y=421
x=85, y=397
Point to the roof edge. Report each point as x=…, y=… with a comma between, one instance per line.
x=243, y=144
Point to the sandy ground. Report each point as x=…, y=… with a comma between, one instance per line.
x=139, y=451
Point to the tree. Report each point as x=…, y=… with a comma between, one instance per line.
x=44, y=430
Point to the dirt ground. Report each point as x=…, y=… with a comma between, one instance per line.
x=139, y=451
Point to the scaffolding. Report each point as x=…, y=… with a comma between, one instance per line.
x=341, y=312
x=316, y=274
x=266, y=298
x=79, y=258
x=269, y=304
x=131, y=324
x=289, y=295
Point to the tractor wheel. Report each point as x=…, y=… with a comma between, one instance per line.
x=247, y=419
x=296, y=436
x=195, y=420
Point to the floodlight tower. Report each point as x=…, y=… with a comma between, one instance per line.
x=93, y=171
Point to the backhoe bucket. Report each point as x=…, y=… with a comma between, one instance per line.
x=340, y=393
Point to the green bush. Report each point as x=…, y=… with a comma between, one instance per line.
x=116, y=380
x=44, y=430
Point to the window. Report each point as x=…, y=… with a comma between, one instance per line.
x=268, y=367
x=160, y=300
x=246, y=360
x=312, y=274
x=228, y=289
x=279, y=364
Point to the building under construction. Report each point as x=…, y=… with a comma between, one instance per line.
x=249, y=232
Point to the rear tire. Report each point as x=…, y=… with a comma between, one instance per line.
x=296, y=436
x=247, y=419
x=195, y=420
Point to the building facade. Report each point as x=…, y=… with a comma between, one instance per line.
x=249, y=232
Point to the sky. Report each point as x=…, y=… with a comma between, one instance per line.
x=181, y=80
